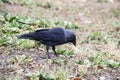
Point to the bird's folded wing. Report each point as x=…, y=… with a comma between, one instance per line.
x=50, y=36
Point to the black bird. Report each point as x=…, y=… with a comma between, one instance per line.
x=51, y=37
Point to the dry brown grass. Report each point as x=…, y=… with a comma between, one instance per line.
x=92, y=16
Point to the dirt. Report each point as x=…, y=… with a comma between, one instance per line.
x=40, y=63
x=83, y=12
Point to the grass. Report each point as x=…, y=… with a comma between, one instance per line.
x=98, y=40
x=115, y=12
x=21, y=60
x=103, y=59
x=11, y=26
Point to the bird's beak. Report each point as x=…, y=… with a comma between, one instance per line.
x=75, y=44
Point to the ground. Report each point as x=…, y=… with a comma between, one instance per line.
x=96, y=56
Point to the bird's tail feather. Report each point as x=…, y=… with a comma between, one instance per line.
x=27, y=36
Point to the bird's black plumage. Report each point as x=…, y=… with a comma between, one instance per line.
x=51, y=37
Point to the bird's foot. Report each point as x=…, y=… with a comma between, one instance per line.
x=48, y=56
x=56, y=54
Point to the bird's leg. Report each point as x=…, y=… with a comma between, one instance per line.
x=53, y=47
x=37, y=46
x=47, y=48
